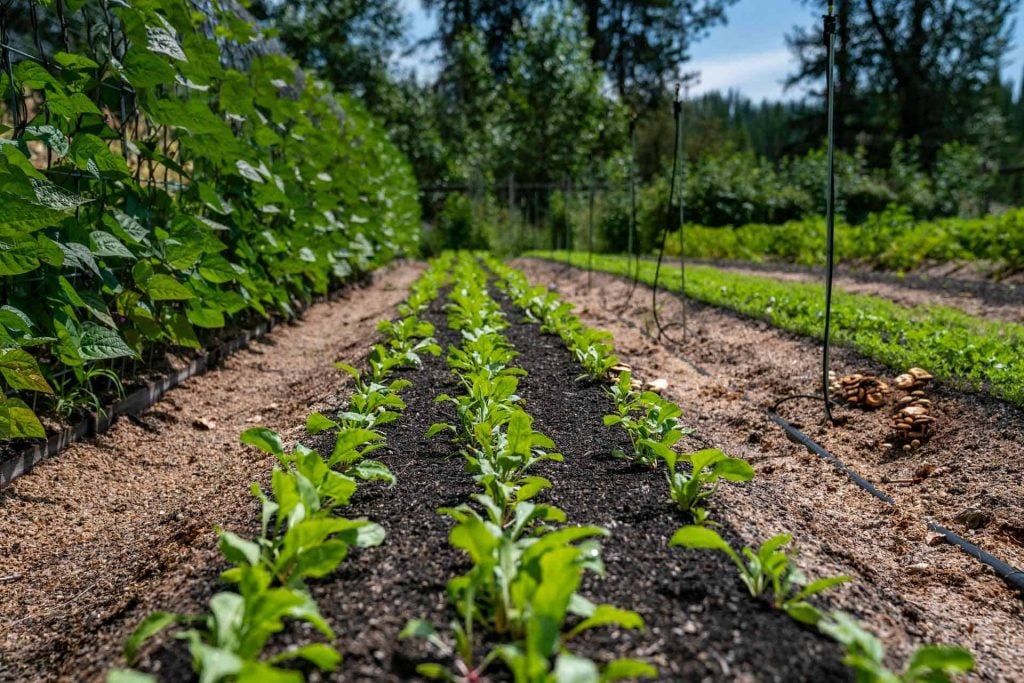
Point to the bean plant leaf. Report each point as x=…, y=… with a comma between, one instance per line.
x=51, y=136
x=105, y=244
x=18, y=256
x=165, y=288
x=22, y=371
x=99, y=343
x=18, y=421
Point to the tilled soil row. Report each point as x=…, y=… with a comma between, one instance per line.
x=115, y=528
x=909, y=591
x=701, y=624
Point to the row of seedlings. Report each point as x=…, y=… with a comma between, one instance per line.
x=652, y=424
x=518, y=603
x=302, y=535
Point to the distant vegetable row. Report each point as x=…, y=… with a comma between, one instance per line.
x=149, y=192
x=892, y=240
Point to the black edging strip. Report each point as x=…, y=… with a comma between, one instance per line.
x=134, y=403
x=1010, y=574
x=142, y=399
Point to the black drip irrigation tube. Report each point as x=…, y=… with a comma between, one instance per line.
x=140, y=400
x=816, y=448
x=1008, y=573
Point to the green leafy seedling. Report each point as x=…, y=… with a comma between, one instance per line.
x=768, y=567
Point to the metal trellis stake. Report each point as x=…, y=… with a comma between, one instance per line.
x=830, y=207
x=631, y=245
x=590, y=233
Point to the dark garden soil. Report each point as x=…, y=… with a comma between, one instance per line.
x=908, y=587
x=1000, y=301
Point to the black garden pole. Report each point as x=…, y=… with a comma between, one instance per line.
x=830, y=208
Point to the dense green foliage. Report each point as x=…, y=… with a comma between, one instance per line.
x=892, y=240
x=240, y=192
x=961, y=349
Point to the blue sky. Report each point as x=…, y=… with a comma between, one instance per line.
x=748, y=54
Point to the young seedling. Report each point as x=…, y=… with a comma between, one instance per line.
x=651, y=422
x=767, y=568
x=691, y=489
x=866, y=655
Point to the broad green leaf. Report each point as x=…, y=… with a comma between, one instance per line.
x=99, y=343
x=18, y=257
x=571, y=668
x=106, y=245
x=317, y=423
x=373, y=470
x=18, y=421
x=941, y=658
x=237, y=550
x=803, y=612
x=165, y=288
x=323, y=656
x=217, y=269
x=51, y=136
x=21, y=214
x=699, y=537
x=22, y=371
x=76, y=62
x=264, y=439
x=627, y=669
x=321, y=559
x=207, y=318
x=607, y=615
x=368, y=535
x=90, y=153
x=820, y=585
x=418, y=628
x=129, y=676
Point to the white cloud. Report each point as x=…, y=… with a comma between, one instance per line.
x=757, y=75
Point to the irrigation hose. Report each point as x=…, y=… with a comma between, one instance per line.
x=677, y=109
